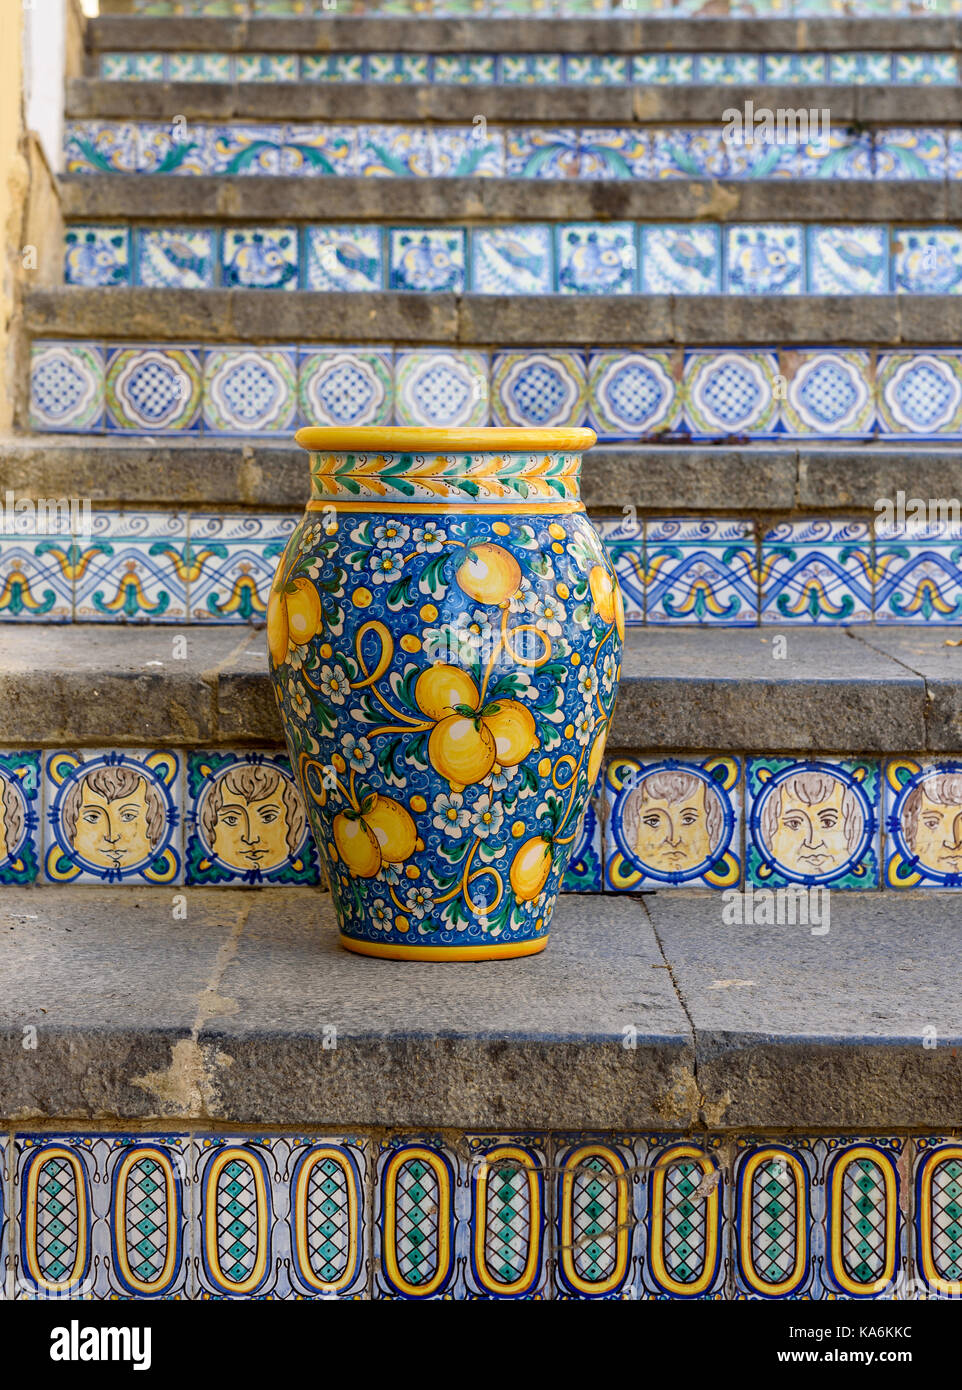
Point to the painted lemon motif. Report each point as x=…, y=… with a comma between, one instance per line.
x=356, y=845
x=303, y=612
x=441, y=689
x=619, y=611
x=603, y=592
x=393, y=828
x=277, y=630
x=514, y=731
x=595, y=756
x=530, y=868
x=462, y=749
x=490, y=574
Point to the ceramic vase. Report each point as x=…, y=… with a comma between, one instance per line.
x=445, y=634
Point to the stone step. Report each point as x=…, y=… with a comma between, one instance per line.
x=508, y=34
x=875, y=689
x=235, y=473
x=170, y=197
x=224, y=1013
x=99, y=98
x=227, y=316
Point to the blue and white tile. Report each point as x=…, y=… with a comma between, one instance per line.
x=684, y=153
x=632, y=395
x=663, y=68
x=98, y=147
x=700, y=570
x=393, y=152
x=344, y=258
x=917, y=152
x=346, y=386
x=512, y=260
x=530, y=69
x=685, y=1203
x=154, y=390
x=333, y=67
x=729, y=68
x=848, y=260
x=918, y=572
x=232, y=561
x=926, y=69
x=266, y=67
x=596, y=70
x=200, y=67
x=113, y=817
x=730, y=392
x=259, y=258
x=426, y=259
x=436, y=387
x=817, y=572
x=96, y=256
x=860, y=69
x=672, y=823
x=552, y=153
x=681, y=260
x=542, y=389
x=583, y=874
x=597, y=258
x=398, y=67
x=464, y=69
x=764, y=260
x=66, y=386
x=508, y=1228
x=830, y=392
x=132, y=567
x=36, y=564
x=842, y=155
x=474, y=151
x=920, y=394
x=175, y=258
x=319, y=151
x=250, y=390
x=928, y=260
x=599, y=1226
x=418, y=1222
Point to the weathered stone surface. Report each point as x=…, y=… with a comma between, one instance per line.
x=862, y=476
x=504, y=34
x=938, y=662
x=798, y=1029
x=681, y=689
x=494, y=320
x=171, y=197
x=222, y=1016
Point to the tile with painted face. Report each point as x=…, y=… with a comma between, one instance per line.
x=19, y=816
x=813, y=823
x=923, y=824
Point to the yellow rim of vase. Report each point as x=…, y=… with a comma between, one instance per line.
x=390, y=951
x=394, y=439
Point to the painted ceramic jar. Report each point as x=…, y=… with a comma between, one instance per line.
x=445, y=634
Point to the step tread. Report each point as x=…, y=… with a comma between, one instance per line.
x=857, y=689
x=222, y=1014
x=419, y=200
x=247, y=315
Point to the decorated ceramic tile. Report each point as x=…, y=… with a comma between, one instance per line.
x=415, y=1233
x=730, y=393
x=918, y=572
x=507, y=1229
x=776, y=1219
x=181, y=258
x=96, y=256
x=681, y=260
x=101, y=147
x=200, y=67
x=37, y=562
x=398, y=67
x=393, y=152
x=597, y=259
x=512, y=260
x=928, y=260
x=153, y=390
x=101, y=1216
x=531, y=69
x=688, y=153
x=830, y=392
x=245, y=821
x=672, y=823
x=260, y=258
x=344, y=258
x=473, y=69
x=546, y=153
x=113, y=817
x=435, y=387
x=132, y=568
x=764, y=260
x=843, y=154
x=923, y=823
x=66, y=386
x=728, y=68
x=686, y=1228
x=232, y=560
x=426, y=258
x=937, y=1210
x=244, y=149
x=812, y=822
x=598, y=1223
x=860, y=69
x=700, y=570
x=596, y=70
x=20, y=796
x=544, y=389
x=460, y=152
x=624, y=541
x=346, y=386
x=584, y=871
x=250, y=390
x=281, y=1216
x=848, y=260
x=925, y=69
x=864, y=1231
x=266, y=67
x=657, y=68
x=817, y=571
x=779, y=68
x=334, y=67
x=633, y=395
x=919, y=394
x=913, y=153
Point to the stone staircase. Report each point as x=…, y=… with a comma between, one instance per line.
x=767, y=350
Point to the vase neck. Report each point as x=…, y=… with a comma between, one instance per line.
x=451, y=479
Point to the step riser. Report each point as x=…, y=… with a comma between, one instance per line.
x=593, y=258
x=382, y=1218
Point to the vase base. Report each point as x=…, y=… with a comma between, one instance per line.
x=452, y=953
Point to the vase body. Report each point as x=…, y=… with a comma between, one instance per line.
x=445, y=632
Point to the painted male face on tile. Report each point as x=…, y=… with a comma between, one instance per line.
x=673, y=821
x=813, y=822
x=923, y=820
